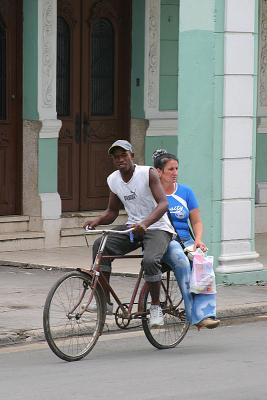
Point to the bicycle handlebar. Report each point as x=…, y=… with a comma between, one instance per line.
x=89, y=231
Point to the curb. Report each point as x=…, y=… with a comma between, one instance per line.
x=37, y=335
x=227, y=317
x=25, y=265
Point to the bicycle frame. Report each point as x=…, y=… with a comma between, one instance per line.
x=99, y=278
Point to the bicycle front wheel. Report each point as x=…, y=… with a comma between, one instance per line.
x=175, y=325
x=71, y=333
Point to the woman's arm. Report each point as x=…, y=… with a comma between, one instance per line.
x=197, y=227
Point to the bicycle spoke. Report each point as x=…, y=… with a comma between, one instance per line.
x=174, y=328
x=70, y=332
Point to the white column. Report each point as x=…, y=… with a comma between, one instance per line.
x=47, y=55
x=161, y=123
x=237, y=247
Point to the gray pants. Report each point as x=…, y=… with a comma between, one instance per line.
x=154, y=242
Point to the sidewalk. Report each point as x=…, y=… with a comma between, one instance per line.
x=27, y=276
x=73, y=257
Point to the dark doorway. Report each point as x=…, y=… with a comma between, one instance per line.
x=93, y=95
x=10, y=106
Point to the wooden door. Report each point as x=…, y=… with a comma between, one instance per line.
x=99, y=95
x=10, y=106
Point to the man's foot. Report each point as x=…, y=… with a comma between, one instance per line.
x=156, y=316
x=92, y=307
x=209, y=323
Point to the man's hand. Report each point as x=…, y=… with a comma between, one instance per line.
x=140, y=228
x=90, y=225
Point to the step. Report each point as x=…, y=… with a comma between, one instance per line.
x=15, y=241
x=76, y=236
x=14, y=223
x=72, y=233
x=77, y=219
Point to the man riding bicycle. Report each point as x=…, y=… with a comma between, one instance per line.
x=139, y=190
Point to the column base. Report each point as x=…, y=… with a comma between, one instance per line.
x=51, y=215
x=242, y=278
x=239, y=263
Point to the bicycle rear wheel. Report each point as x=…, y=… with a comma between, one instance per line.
x=70, y=334
x=175, y=325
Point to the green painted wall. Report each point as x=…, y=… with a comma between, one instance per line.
x=47, y=177
x=169, y=33
x=30, y=59
x=261, y=160
x=153, y=143
x=200, y=107
x=138, y=51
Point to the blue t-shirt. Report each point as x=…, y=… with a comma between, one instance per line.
x=181, y=202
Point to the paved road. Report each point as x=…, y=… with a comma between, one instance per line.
x=227, y=363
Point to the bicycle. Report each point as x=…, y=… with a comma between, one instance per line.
x=72, y=330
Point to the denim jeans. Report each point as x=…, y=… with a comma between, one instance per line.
x=197, y=306
x=155, y=242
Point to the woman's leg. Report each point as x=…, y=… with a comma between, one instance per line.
x=204, y=306
x=180, y=265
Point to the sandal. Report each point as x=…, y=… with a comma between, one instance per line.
x=208, y=323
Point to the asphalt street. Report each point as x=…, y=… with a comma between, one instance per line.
x=227, y=363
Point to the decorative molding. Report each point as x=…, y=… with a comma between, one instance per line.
x=50, y=128
x=154, y=114
x=162, y=127
x=65, y=8
x=4, y=141
x=47, y=36
x=103, y=8
x=152, y=55
x=48, y=58
x=262, y=86
x=244, y=263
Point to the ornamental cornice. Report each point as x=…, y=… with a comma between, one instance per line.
x=153, y=53
x=48, y=55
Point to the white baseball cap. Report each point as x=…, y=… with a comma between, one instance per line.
x=124, y=144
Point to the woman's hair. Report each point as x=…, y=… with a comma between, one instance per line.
x=161, y=157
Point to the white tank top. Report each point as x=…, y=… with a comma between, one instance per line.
x=137, y=197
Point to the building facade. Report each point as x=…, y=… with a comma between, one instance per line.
x=186, y=75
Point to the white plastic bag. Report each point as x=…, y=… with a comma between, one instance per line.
x=202, y=275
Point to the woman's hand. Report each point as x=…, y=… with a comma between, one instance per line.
x=200, y=245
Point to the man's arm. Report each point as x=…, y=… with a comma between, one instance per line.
x=160, y=197
x=109, y=215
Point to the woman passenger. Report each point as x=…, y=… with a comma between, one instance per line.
x=183, y=207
